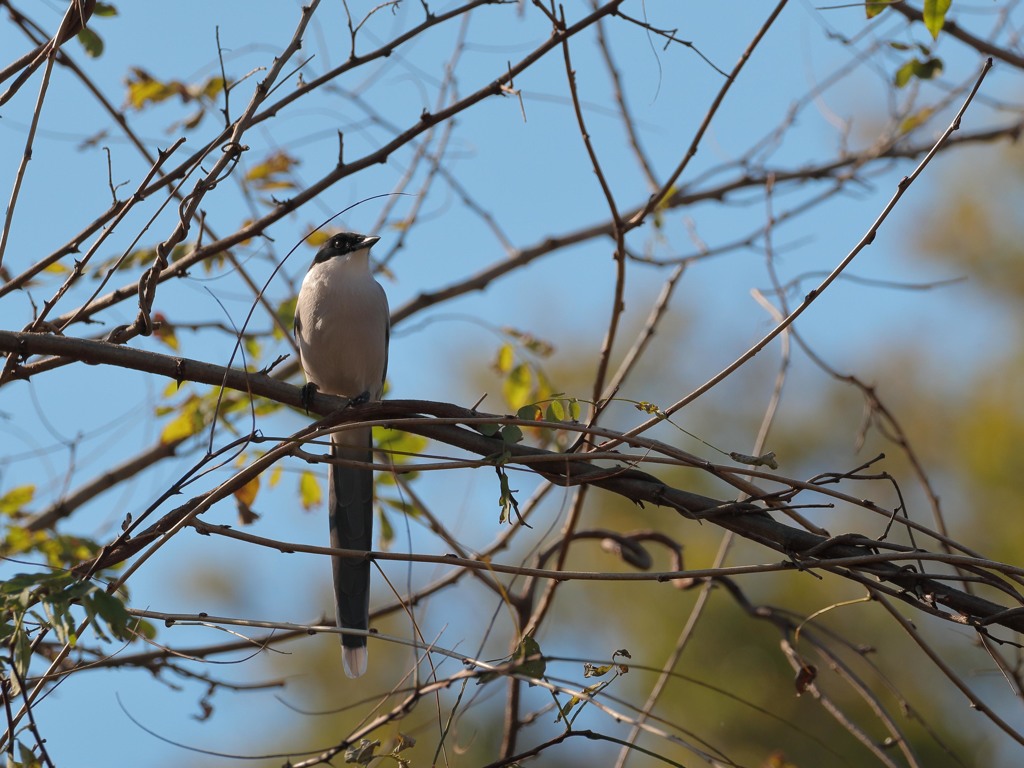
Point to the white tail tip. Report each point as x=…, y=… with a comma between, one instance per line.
x=354, y=660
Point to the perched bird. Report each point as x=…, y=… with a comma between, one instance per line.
x=342, y=326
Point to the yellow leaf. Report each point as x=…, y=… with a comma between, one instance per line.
x=275, y=475
x=247, y=493
x=143, y=89
x=543, y=389
x=286, y=314
x=185, y=424
x=18, y=539
x=16, y=498
x=212, y=87
x=139, y=258
x=276, y=163
x=318, y=237
x=57, y=268
x=193, y=120
x=269, y=173
x=252, y=348
x=309, y=490
x=165, y=333
x=918, y=118
x=402, y=445
x=591, y=671
x=506, y=356
x=517, y=386
x=663, y=203
x=271, y=184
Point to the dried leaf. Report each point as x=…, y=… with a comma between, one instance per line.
x=805, y=678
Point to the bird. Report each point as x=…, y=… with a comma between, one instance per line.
x=342, y=330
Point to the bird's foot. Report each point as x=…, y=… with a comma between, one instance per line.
x=359, y=399
x=308, y=391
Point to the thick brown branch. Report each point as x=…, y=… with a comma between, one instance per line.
x=744, y=519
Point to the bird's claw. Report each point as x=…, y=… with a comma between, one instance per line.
x=359, y=399
x=309, y=390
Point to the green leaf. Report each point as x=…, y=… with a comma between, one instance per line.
x=18, y=582
x=555, y=411
x=507, y=499
x=59, y=617
x=922, y=70
x=400, y=505
x=91, y=42
x=531, y=661
x=874, y=7
x=26, y=757
x=362, y=753
x=511, y=434
x=926, y=70
x=529, y=412
x=145, y=629
x=574, y=409
x=113, y=612
x=104, y=9
x=22, y=655
x=934, y=13
x=527, y=660
x=903, y=74
x=386, y=532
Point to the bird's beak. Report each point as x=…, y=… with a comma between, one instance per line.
x=370, y=241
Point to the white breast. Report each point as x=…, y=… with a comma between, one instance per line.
x=344, y=321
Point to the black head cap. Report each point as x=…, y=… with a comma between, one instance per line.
x=343, y=244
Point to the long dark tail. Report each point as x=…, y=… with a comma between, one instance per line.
x=351, y=516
